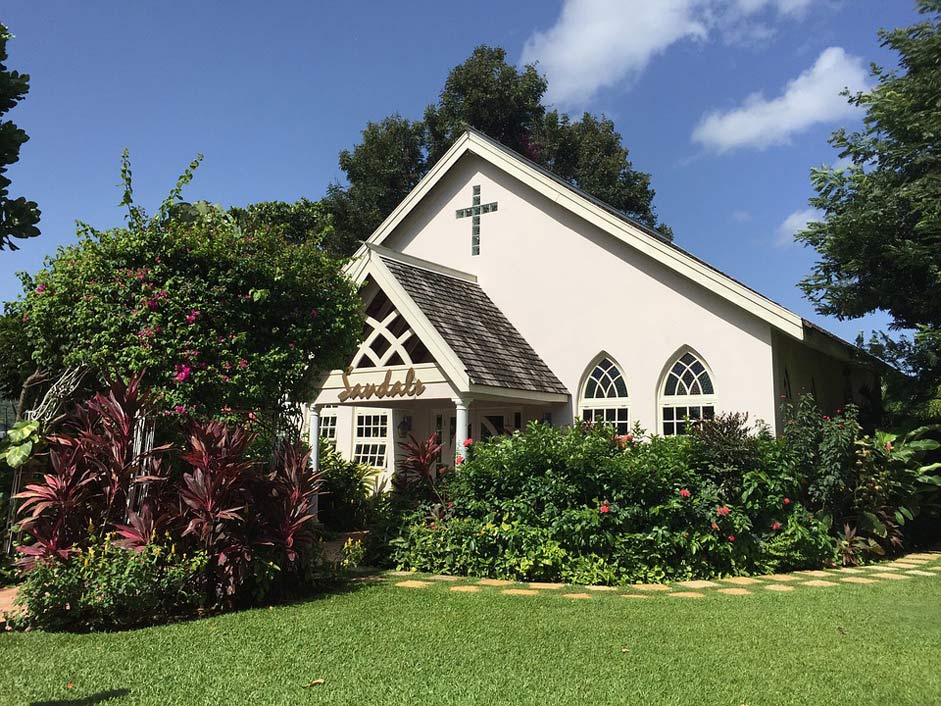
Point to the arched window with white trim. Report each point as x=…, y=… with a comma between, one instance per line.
x=604, y=398
x=687, y=394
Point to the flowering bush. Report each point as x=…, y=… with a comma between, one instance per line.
x=583, y=505
x=219, y=314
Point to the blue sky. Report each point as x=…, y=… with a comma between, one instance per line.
x=727, y=103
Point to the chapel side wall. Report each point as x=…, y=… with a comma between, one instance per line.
x=832, y=380
x=573, y=291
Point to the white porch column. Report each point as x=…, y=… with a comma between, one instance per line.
x=313, y=436
x=460, y=427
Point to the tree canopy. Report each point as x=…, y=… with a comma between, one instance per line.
x=879, y=239
x=18, y=216
x=219, y=313
x=506, y=103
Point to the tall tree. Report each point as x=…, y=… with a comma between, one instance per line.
x=879, y=240
x=506, y=103
x=18, y=217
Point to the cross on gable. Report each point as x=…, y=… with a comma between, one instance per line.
x=475, y=211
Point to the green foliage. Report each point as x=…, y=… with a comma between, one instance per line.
x=20, y=441
x=877, y=239
x=18, y=217
x=218, y=316
x=106, y=587
x=345, y=492
x=506, y=103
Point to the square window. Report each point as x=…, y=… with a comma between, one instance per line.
x=668, y=413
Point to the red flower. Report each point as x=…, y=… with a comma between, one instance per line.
x=723, y=511
x=604, y=509
x=787, y=501
x=684, y=493
x=459, y=460
x=442, y=469
x=888, y=446
x=776, y=526
x=731, y=537
x=715, y=526
x=468, y=442
x=182, y=372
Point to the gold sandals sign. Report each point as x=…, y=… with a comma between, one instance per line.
x=410, y=387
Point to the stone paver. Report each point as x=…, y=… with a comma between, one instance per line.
x=545, y=586
x=819, y=583
x=850, y=570
x=495, y=582
x=882, y=567
x=520, y=592
x=632, y=595
x=687, y=594
x=735, y=591
x=781, y=578
x=601, y=588
x=443, y=577
x=857, y=579
x=888, y=575
x=577, y=596
x=819, y=574
x=922, y=555
x=698, y=584
x=466, y=589
x=919, y=572
x=650, y=586
x=414, y=584
x=778, y=587
x=400, y=573
x=742, y=580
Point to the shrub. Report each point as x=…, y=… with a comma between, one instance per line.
x=346, y=490
x=104, y=586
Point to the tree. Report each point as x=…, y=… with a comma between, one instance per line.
x=216, y=314
x=879, y=240
x=18, y=217
x=505, y=103
x=301, y=222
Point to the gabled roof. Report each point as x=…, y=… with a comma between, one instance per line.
x=599, y=214
x=470, y=339
x=492, y=350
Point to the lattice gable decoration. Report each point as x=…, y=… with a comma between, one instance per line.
x=388, y=340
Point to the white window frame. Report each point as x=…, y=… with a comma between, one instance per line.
x=681, y=404
x=328, y=424
x=371, y=439
x=606, y=409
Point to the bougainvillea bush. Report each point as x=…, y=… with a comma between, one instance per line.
x=111, y=534
x=219, y=313
x=583, y=505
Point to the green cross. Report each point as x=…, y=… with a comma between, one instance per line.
x=474, y=212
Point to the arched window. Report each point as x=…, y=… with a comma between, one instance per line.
x=604, y=398
x=687, y=394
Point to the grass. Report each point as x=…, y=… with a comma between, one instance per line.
x=381, y=644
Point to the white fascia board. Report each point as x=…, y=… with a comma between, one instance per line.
x=442, y=353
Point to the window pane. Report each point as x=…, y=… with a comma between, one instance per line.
x=668, y=413
x=706, y=384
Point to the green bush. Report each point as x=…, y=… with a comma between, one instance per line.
x=105, y=587
x=345, y=491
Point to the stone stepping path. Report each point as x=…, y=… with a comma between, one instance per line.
x=926, y=565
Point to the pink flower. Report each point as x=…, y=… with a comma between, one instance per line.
x=243, y=364
x=731, y=537
x=684, y=493
x=888, y=446
x=776, y=526
x=604, y=509
x=182, y=372
x=787, y=501
x=180, y=409
x=314, y=313
x=41, y=288
x=468, y=442
x=715, y=526
x=723, y=511
x=442, y=469
x=191, y=317
x=459, y=460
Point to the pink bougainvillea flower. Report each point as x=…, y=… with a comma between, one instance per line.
x=684, y=493
x=243, y=364
x=468, y=442
x=826, y=418
x=604, y=509
x=41, y=288
x=731, y=537
x=180, y=409
x=192, y=316
x=787, y=501
x=183, y=372
x=776, y=526
x=314, y=313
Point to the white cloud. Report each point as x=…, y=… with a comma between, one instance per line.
x=811, y=98
x=596, y=44
x=795, y=222
x=600, y=43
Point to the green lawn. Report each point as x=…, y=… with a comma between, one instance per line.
x=383, y=644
